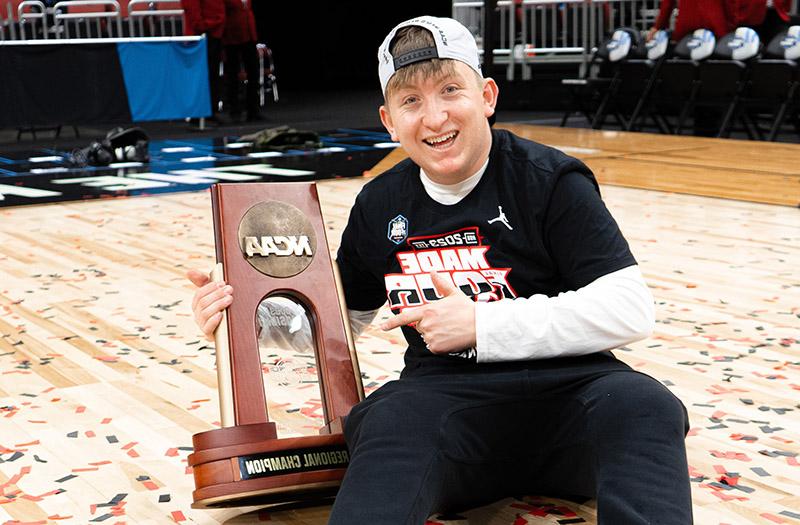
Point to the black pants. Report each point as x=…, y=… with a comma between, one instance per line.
x=235, y=56
x=580, y=426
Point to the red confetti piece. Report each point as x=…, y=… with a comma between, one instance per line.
x=107, y=358
x=730, y=455
x=731, y=481
x=129, y=445
x=727, y=497
x=100, y=463
x=132, y=453
x=105, y=421
x=171, y=452
x=792, y=461
x=772, y=517
x=59, y=517
x=36, y=442
x=178, y=516
x=149, y=485
x=89, y=433
x=80, y=410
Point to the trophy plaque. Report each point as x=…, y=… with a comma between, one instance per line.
x=271, y=243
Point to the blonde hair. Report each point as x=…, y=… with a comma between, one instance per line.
x=411, y=38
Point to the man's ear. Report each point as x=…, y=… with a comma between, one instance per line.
x=386, y=119
x=490, y=94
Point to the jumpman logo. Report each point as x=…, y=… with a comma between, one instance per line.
x=502, y=218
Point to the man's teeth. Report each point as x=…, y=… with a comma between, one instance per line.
x=443, y=138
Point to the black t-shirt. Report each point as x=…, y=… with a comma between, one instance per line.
x=534, y=224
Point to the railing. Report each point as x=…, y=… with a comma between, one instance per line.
x=146, y=18
x=8, y=29
x=28, y=18
x=91, y=19
x=563, y=31
x=33, y=20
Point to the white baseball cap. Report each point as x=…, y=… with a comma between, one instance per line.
x=451, y=38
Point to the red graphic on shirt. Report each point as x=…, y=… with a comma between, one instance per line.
x=460, y=255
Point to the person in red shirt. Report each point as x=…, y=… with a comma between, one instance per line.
x=767, y=17
x=693, y=14
x=207, y=17
x=239, y=41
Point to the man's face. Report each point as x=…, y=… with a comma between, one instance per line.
x=441, y=122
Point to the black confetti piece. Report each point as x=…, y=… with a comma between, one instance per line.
x=66, y=478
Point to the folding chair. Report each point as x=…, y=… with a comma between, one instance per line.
x=676, y=85
x=268, y=82
x=590, y=92
x=773, y=87
x=723, y=78
x=635, y=82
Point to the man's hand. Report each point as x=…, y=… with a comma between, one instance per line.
x=209, y=301
x=446, y=325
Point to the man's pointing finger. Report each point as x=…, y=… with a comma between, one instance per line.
x=407, y=316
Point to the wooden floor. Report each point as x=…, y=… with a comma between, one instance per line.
x=103, y=377
x=733, y=169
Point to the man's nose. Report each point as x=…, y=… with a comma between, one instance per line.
x=435, y=114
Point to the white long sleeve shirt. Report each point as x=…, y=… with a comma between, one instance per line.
x=611, y=311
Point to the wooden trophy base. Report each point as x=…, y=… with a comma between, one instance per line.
x=246, y=465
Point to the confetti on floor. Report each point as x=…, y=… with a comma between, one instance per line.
x=104, y=378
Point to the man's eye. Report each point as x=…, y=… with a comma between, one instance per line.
x=451, y=89
x=409, y=100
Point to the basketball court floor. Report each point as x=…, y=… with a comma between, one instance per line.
x=104, y=377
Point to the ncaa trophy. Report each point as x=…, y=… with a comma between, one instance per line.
x=271, y=243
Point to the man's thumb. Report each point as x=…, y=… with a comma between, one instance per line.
x=444, y=284
x=197, y=277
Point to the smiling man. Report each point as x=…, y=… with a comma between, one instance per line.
x=511, y=283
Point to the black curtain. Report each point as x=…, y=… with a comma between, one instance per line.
x=329, y=45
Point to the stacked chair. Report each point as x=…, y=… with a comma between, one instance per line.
x=712, y=85
x=635, y=80
x=676, y=85
x=773, y=88
x=722, y=80
x=591, y=92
